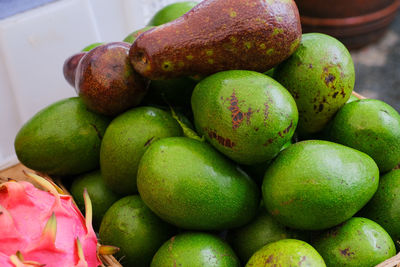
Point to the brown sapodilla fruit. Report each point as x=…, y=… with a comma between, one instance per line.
x=106, y=80
x=70, y=65
x=219, y=35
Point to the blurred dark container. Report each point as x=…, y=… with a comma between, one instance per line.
x=355, y=22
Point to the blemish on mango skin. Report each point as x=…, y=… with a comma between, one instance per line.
x=329, y=79
x=288, y=202
x=286, y=130
x=270, y=259
x=266, y=112
x=303, y=259
x=269, y=141
x=226, y=142
x=275, y=212
x=346, y=252
x=237, y=115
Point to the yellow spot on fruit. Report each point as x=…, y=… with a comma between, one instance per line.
x=189, y=57
x=233, y=14
x=209, y=52
x=277, y=31
x=279, y=19
x=229, y=47
x=262, y=46
x=233, y=39
x=167, y=66
x=294, y=45
x=247, y=45
x=269, y=51
x=211, y=61
x=181, y=64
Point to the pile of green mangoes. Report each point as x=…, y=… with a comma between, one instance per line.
x=222, y=136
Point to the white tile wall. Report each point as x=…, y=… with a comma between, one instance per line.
x=34, y=45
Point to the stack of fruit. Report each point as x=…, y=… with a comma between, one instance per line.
x=281, y=167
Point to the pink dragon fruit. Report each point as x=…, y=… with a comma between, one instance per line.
x=39, y=228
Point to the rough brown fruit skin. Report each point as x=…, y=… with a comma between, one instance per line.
x=219, y=35
x=106, y=81
x=70, y=65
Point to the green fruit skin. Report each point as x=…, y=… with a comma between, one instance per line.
x=62, y=139
x=320, y=76
x=384, y=206
x=286, y=252
x=195, y=250
x=171, y=12
x=189, y=184
x=125, y=141
x=132, y=36
x=245, y=115
x=246, y=240
x=174, y=92
x=131, y=226
x=91, y=46
x=371, y=126
x=357, y=242
x=100, y=195
x=315, y=185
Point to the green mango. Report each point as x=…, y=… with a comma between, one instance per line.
x=132, y=227
x=62, y=139
x=245, y=115
x=171, y=12
x=315, y=185
x=91, y=46
x=320, y=76
x=357, y=242
x=286, y=252
x=195, y=250
x=189, y=184
x=132, y=36
x=125, y=141
x=100, y=195
x=384, y=206
x=370, y=126
x=247, y=239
